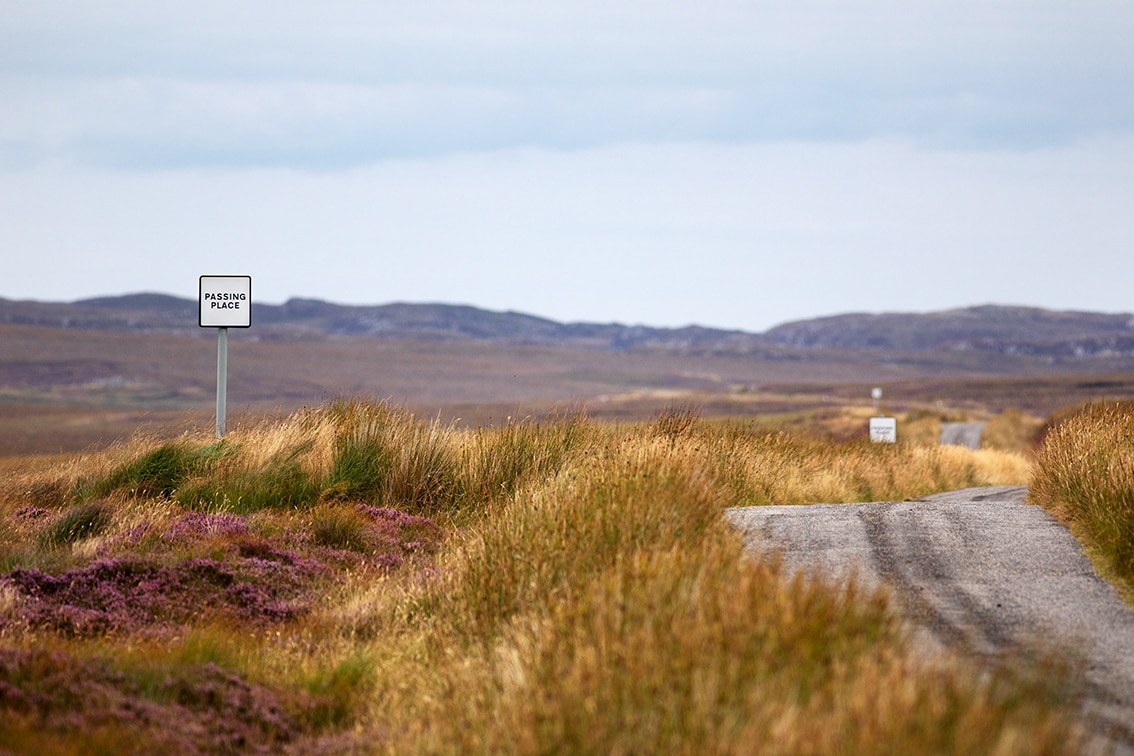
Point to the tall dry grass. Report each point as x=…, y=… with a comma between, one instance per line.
x=588, y=595
x=611, y=610
x=1084, y=475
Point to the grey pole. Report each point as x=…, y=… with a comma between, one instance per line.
x=222, y=377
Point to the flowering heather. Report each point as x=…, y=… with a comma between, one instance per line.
x=248, y=578
x=195, y=709
x=124, y=595
x=128, y=540
x=31, y=512
x=411, y=532
x=200, y=525
x=360, y=535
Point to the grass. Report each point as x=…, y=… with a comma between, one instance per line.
x=78, y=523
x=1084, y=475
x=537, y=586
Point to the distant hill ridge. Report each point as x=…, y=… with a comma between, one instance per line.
x=1004, y=329
x=989, y=328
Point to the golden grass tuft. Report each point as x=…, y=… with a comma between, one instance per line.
x=1011, y=430
x=1084, y=476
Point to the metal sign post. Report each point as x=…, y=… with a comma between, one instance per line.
x=222, y=378
x=225, y=302
x=882, y=429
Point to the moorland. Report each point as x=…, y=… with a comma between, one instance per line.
x=352, y=579
x=440, y=543
x=76, y=375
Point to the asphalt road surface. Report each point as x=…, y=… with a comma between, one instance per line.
x=961, y=434
x=979, y=570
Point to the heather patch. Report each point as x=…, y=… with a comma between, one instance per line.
x=379, y=537
x=49, y=696
x=124, y=595
x=221, y=566
x=199, y=525
x=138, y=539
x=411, y=533
x=219, y=535
x=31, y=512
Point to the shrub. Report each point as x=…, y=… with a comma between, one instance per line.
x=124, y=595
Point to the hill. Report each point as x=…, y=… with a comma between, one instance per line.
x=305, y=318
x=994, y=330
x=82, y=373
x=990, y=328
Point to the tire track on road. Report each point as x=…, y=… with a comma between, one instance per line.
x=978, y=570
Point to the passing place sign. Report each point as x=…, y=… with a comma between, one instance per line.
x=226, y=302
x=884, y=430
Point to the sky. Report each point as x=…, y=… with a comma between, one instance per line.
x=726, y=163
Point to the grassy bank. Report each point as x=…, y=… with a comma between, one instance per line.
x=1085, y=477
x=354, y=579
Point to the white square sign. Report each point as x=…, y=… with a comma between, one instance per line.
x=225, y=302
x=884, y=430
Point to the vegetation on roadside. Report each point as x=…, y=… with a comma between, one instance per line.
x=1084, y=476
x=354, y=579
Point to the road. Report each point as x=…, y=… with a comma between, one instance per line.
x=961, y=434
x=979, y=570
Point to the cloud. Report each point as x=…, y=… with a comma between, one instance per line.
x=329, y=86
x=724, y=162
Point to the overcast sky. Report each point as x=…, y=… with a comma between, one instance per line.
x=727, y=163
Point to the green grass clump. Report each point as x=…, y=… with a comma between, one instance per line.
x=158, y=473
x=1084, y=475
x=335, y=692
x=395, y=462
x=79, y=522
x=280, y=484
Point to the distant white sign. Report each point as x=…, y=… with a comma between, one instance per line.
x=884, y=430
x=225, y=302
